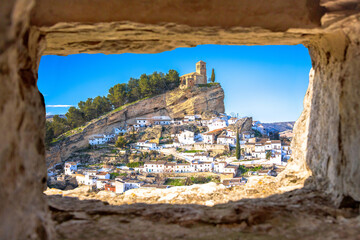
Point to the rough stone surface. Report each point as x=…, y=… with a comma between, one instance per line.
x=176, y=104
x=326, y=147
x=298, y=214
x=23, y=210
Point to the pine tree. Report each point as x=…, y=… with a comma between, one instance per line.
x=212, y=76
x=237, y=152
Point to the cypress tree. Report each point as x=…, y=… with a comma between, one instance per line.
x=212, y=75
x=237, y=152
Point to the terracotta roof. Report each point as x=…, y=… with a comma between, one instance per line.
x=214, y=131
x=72, y=163
x=102, y=173
x=191, y=74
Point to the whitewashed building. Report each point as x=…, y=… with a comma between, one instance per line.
x=146, y=144
x=219, y=167
x=217, y=124
x=154, y=167
x=231, y=169
x=161, y=120
x=186, y=137
x=202, y=166
x=103, y=175
x=183, y=168
x=90, y=180
x=225, y=140
x=70, y=168
x=208, y=138
x=203, y=157
x=142, y=122
x=122, y=186
x=118, y=131
x=80, y=178
x=100, y=139
x=232, y=120
x=100, y=183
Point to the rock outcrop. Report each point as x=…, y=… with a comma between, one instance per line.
x=176, y=104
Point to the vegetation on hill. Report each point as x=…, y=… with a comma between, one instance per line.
x=119, y=96
x=212, y=76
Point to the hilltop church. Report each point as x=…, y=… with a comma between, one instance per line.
x=194, y=78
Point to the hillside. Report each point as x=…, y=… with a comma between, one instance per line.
x=175, y=104
x=279, y=126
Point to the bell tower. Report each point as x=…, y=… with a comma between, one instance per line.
x=201, y=69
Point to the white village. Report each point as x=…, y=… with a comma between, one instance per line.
x=230, y=149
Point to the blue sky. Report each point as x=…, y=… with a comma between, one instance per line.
x=265, y=82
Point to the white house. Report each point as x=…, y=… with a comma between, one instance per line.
x=276, y=158
x=276, y=146
x=176, y=122
x=142, y=122
x=103, y=175
x=100, y=183
x=225, y=140
x=70, y=168
x=261, y=155
x=217, y=124
x=184, y=167
x=80, y=178
x=286, y=152
x=202, y=166
x=156, y=167
x=90, y=172
x=118, y=131
x=232, y=120
x=247, y=135
x=219, y=167
x=259, y=147
x=231, y=133
x=146, y=144
x=90, y=180
x=186, y=137
x=208, y=138
x=161, y=120
x=231, y=169
x=122, y=186
x=203, y=157
x=100, y=139
x=191, y=118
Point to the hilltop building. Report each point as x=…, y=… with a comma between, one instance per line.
x=194, y=78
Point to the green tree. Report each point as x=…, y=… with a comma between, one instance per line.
x=49, y=135
x=268, y=155
x=172, y=79
x=134, y=92
x=118, y=95
x=59, y=125
x=88, y=109
x=237, y=152
x=120, y=142
x=75, y=117
x=212, y=76
x=101, y=105
x=144, y=85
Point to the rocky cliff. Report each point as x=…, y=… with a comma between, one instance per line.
x=175, y=104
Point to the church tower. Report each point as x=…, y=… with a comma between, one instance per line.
x=201, y=69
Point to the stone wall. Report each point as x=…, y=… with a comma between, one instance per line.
x=328, y=134
x=23, y=210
